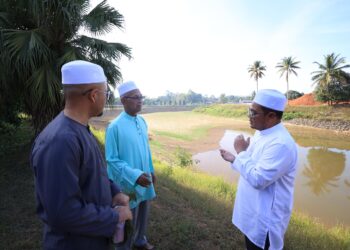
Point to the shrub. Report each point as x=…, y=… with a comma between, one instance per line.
x=182, y=157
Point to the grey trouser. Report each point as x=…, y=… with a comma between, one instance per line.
x=139, y=222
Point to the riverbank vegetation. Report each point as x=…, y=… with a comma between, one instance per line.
x=192, y=210
x=335, y=117
x=340, y=112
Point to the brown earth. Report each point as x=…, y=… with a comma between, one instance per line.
x=305, y=100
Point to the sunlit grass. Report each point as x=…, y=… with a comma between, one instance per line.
x=188, y=126
x=192, y=211
x=303, y=232
x=193, y=134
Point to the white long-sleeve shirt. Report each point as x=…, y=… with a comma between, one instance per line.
x=264, y=198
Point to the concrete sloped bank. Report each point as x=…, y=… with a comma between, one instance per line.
x=337, y=125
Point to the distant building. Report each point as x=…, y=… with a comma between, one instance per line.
x=245, y=101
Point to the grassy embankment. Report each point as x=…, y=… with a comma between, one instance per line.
x=292, y=112
x=192, y=211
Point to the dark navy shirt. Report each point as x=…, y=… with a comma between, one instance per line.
x=74, y=194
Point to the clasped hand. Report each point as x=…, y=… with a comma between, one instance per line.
x=121, y=205
x=239, y=144
x=145, y=180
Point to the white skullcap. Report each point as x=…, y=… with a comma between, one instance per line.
x=271, y=98
x=82, y=72
x=126, y=87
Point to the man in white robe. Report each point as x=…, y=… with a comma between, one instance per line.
x=267, y=166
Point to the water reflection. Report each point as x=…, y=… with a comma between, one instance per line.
x=323, y=169
x=322, y=184
x=347, y=183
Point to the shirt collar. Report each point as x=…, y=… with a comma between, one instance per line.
x=271, y=130
x=130, y=117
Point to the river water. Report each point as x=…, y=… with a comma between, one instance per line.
x=322, y=184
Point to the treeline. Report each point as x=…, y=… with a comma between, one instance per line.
x=331, y=80
x=192, y=98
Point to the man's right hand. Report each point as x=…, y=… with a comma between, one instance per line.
x=124, y=213
x=144, y=180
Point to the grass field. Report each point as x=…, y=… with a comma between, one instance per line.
x=192, y=210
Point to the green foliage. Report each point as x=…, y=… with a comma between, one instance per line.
x=100, y=137
x=291, y=112
x=226, y=110
x=292, y=94
x=293, y=115
x=196, y=207
x=333, y=93
x=182, y=157
x=332, y=81
x=38, y=37
x=13, y=137
x=7, y=128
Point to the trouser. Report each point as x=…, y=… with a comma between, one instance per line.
x=251, y=246
x=139, y=222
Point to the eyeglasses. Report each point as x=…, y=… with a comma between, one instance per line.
x=137, y=97
x=253, y=113
x=107, y=92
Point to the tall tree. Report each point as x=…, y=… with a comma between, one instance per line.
x=331, y=76
x=256, y=70
x=38, y=37
x=287, y=66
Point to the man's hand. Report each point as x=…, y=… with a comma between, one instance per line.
x=154, y=179
x=227, y=156
x=124, y=213
x=120, y=199
x=240, y=144
x=144, y=180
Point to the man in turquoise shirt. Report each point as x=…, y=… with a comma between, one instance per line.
x=129, y=162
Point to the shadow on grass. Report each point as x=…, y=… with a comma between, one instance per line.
x=195, y=220
x=183, y=216
x=20, y=228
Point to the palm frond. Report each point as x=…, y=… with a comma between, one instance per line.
x=111, y=70
x=102, y=19
x=95, y=48
x=26, y=48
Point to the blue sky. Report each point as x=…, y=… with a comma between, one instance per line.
x=207, y=45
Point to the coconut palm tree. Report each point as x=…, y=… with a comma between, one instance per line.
x=256, y=70
x=331, y=72
x=287, y=66
x=38, y=37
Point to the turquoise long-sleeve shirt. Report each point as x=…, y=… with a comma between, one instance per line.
x=128, y=156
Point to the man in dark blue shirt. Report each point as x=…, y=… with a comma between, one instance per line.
x=75, y=198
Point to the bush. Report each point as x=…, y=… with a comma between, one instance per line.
x=7, y=128
x=182, y=157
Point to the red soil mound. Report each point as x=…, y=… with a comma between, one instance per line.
x=307, y=99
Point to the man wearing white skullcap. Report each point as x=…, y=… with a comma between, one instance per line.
x=129, y=162
x=267, y=165
x=75, y=198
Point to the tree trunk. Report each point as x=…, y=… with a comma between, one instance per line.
x=287, y=91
